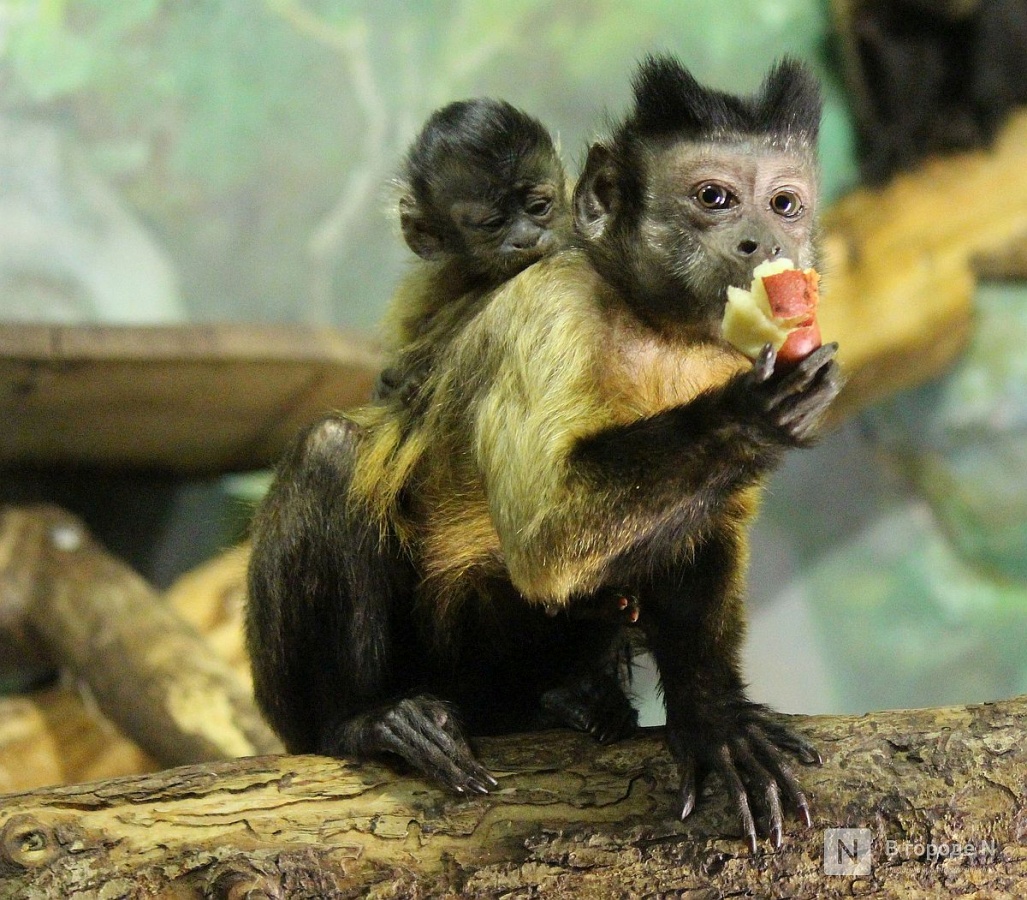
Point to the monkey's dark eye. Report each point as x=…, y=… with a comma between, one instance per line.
x=538, y=206
x=715, y=196
x=786, y=204
x=491, y=223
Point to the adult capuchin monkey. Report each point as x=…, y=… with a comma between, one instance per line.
x=586, y=430
x=483, y=195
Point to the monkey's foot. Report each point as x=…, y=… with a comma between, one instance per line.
x=596, y=705
x=752, y=763
x=425, y=732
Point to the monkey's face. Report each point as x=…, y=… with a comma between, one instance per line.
x=703, y=216
x=713, y=213
x=500, y=232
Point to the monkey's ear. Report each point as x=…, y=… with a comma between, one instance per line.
x=596, y=195
x=417, y=230
x=790, y=100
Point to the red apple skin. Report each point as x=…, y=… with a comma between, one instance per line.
x=793, y=293
x=799, y=344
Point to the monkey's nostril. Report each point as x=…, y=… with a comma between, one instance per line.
x=748, y=248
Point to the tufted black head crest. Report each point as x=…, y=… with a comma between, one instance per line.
x=669, y=100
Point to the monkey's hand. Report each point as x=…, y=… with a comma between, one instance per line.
x=595, y=704
x=747, y=749
x=794, y=402
x=423, y=731
x=617, y=607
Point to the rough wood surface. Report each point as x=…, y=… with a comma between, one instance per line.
x=202, y=398
x=571, y=819
x=148, y=670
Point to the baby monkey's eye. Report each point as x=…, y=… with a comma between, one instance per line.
x=715, y=196
x=786, y=204
x=491, y=223
x=538, y=206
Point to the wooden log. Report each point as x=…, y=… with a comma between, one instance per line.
x=148, y=670
x=191, y=399
x=212, y=599
x=570, y=819
x=899, y=264
x=56, y=736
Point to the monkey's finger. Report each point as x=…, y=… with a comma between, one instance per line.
x=760, y=782
x=801, y=414
x=782, y=772
x=725, y=765
x=803, y=421
x=787, y=739
x=688, y=791
x=416, y=735
x=763, y=365
x=806, y=372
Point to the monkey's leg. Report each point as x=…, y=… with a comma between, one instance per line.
x=596, y=704
x=331, y=600
x=423, y=731
x=694, y=628
x=592, y=698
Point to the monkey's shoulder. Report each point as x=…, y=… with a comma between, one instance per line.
x=427, y=290
x=561, y=316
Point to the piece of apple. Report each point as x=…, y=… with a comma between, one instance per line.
x=779, y=308
x=793, y=296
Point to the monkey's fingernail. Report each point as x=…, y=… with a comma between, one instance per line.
x=804, y=812
x=476, y=785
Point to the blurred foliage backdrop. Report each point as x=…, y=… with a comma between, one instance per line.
x=254, y=140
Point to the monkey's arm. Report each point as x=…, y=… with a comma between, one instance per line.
x=567, y=501
x=694, y=626
x=681, y=464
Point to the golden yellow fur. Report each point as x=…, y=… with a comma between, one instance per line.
x=552, y=357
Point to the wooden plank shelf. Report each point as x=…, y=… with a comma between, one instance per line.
x=192, y=399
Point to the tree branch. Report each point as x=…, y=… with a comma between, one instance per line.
x=149, y=672
x=571, y=819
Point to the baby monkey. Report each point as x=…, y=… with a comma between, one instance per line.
x=484, y=195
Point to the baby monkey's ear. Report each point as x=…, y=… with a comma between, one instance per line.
x=418, y=232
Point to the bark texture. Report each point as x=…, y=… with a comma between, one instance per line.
x=570, y=819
